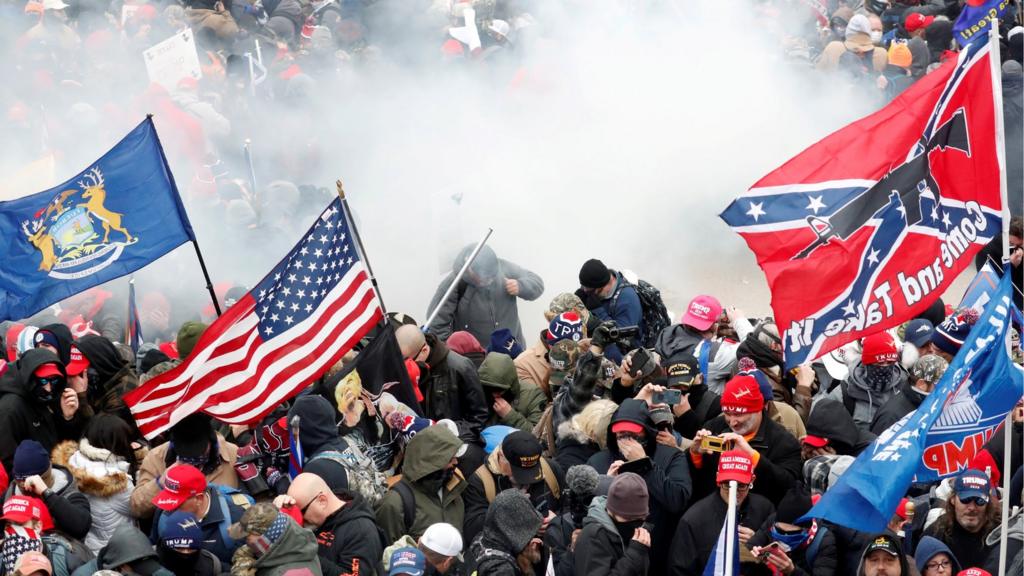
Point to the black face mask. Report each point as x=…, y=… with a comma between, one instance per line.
x=434, y=481
x=176, y=562
x=626, y=529
x=42, y=395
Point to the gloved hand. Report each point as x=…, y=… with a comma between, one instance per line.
x=603, y=334
x=590, y=299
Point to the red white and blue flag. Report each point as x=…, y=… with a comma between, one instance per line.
x=866, y=228
x=311, y=309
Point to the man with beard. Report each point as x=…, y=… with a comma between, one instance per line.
x=971, y=513
x=509, y=544
x=872, y=381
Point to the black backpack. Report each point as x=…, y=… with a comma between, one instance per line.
x=655, y=314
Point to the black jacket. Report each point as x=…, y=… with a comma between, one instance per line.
x=777, y=469
x=665, y=472
x=600, y=549
x=319, y=433
x=826, y=557
x=23, y=418
x=68, y=507
x=350, y=541
x=488, y=557
x=570, y=452
x=829, y=419
x=475, y=497
x=699, y=528
x=690, y=422
x=904, y=402
x=451, y=389
x=969, y=549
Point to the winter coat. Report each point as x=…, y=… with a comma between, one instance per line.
x=905, y=401
x=532, y=366
x=829, y=419
x=487, y=556
x=498, y=372
x=293, y=554
x=699, y=528
x=68, y=507
x=862, y=402
x=349, y=540
x=786, y=416
x=666, y=474
x=721, y=356
x=104, y=480
x=778, y=466
x=690, y=422
x=970, y=549
x=25, y=419
x=826, y=557
x=452, y=390
x=422, y=458
x=115, y=378
x=127, y=545
x=480, y=310
x=1014, y=546
x=622, y=307
x=475, y=495
x=834, y=50
x=155, y=464
x=600, y=549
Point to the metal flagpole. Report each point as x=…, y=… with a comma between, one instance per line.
x=206, y=275
x=730, y=530
x=347, y=212
x=458, y=278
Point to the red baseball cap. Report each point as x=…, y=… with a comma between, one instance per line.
x=742, y=395
x=702, y=312
x=815, y=441
x=632, y=427
x=78, y=364
x=735, y=465
x=915, y=21
x=21, y=509
x=47, y=370
x=880, y=347
x=180, y=483
x=974, y=572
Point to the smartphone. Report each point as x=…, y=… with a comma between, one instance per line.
x=713, y=443
x=670, y=396
x=639, y=359
x=767, y=551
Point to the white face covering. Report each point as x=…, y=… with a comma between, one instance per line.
x=876, y=37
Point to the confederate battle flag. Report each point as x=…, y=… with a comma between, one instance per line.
x=866, y=228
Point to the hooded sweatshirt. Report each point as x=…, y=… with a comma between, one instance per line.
x=498, y=373
x=318, y=433
x=104, y=480
x=904, y=565
x=600, y=548
x=63, y=335
x=863, y=398
x=349, y=540
x=437, y=500
x=928, y=548
x=22, y=415
x=666, y=474
x=115, y=378
x=294, y=553
x=127, y=545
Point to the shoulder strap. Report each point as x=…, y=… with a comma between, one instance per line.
x=812, y=550
x=408, y=502
x=549, y=478
x=490, y=490
x=223, y=503
x=703, y=357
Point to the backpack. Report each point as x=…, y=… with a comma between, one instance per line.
x=361, y=471
x=65, y=555
x=400, y=485
x=491, y=488
x=655, y=316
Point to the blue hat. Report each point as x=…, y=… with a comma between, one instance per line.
x=950, y=335
x=565, y=326
x=181, y=531
x=493, y=436
x=407, y=561
x=504, y=342
x=919, y=332
x=973, y=484
x=30, y=459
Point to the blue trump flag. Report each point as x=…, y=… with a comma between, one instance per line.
x=978, y=389
x=976, y=18
x=117, y=216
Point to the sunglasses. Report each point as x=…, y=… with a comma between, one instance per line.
x=976, y=500
x=310, y=503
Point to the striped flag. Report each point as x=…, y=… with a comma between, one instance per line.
x=311, y=309
x=716, y=562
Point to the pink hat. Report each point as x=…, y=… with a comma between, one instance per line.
x=702, y=312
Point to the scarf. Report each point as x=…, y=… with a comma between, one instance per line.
x=17, y=541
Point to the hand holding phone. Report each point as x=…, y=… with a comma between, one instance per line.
x=669, y=397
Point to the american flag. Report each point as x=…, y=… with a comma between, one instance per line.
x=310, y=310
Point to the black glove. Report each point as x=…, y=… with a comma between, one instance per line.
x=590, y=299
x=603, y=334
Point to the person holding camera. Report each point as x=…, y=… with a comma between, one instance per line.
x=615, y=538
x=609, y=296
x=564, y=530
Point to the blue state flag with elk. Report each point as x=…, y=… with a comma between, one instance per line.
x=121, y=213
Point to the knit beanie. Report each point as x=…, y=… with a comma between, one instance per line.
x=188, y=335
x=627, y=497
x=565, y=326
x=30, y=459
x=899, y=55
x=594, y=274
x=950, y=335
x=742, y=395
x=747, y=367
x=504, y=342
x=878, y=348
x=793, y=505
x=513, y=519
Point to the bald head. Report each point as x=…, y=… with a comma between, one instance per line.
x=410, y=340
x=313, y=495
x=305, y=486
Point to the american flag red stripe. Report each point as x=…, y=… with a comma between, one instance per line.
x=251, y=360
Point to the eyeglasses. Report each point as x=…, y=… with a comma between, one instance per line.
x=976, y=500
x=739, y=487
x=310, y=503
x=942, y=565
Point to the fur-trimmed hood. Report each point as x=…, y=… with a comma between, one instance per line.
x=97, y=471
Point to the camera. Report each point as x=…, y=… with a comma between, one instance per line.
x=608, y=333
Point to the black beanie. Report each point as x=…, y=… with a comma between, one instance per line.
x=594, y=274
x=793, y=505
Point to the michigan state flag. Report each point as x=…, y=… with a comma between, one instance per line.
x=121, y=213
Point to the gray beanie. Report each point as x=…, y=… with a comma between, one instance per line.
x=627, y=497
x=513, y=519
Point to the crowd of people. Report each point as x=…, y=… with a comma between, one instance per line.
x=605, y=444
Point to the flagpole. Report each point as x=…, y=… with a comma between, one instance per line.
x=457, y=279
x=359, y=245
x=730, y=530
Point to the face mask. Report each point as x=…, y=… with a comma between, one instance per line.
x=42, y=395
x=176, y=562
x=876, y=36
x=789, y=540
x=879, y=378
x=17, y=541
x=433, y=482
x=626, y=529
